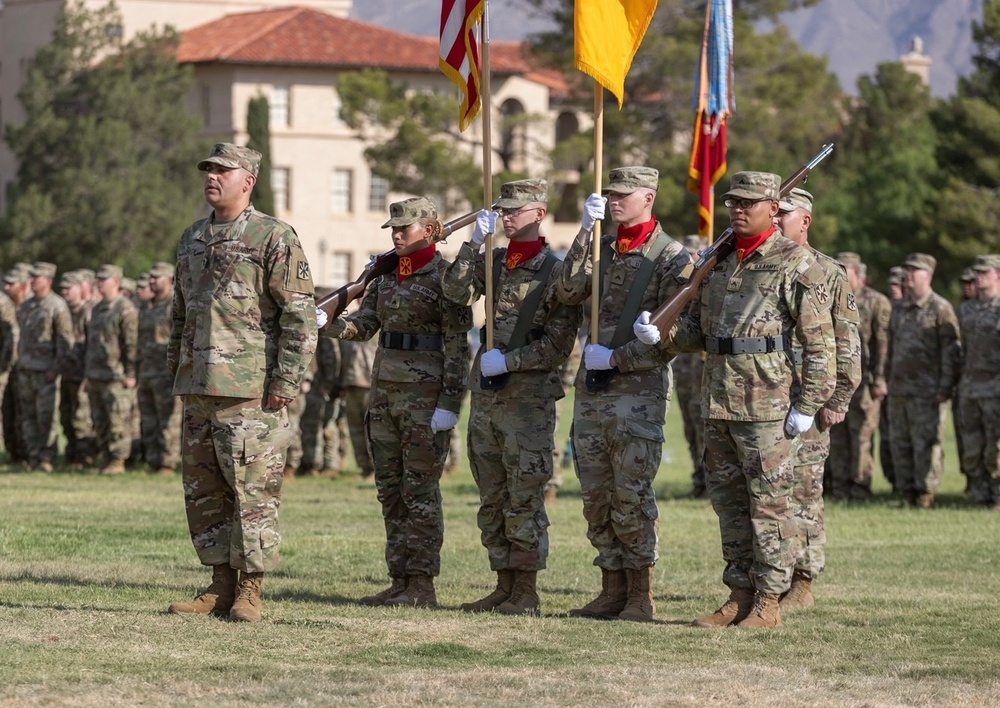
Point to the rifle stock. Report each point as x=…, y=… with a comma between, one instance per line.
x=664, y=316
x=336, y=302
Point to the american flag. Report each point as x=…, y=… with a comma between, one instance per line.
x=460, y=20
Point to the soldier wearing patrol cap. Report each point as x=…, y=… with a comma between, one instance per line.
x=623, y=389
x=515, y=386
x=74, y=403
x=795, y=214
x=979, y=386
x=16, y=285
x=418, y=382
x=896, y=292
x=968, y=302
x=851, y=459
x=9, y=334
x=46, y=328
x=924, y=366
x=243, y=332
x=159, y=410
x=757, y=401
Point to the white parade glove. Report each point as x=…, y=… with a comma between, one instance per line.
x=645, y=332
x=321, y=318
x=593, y=211
x=486, y=223
x=797, y=423
x=443, y=420
x=493, y=363
x=596, y=357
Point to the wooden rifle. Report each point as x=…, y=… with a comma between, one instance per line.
x=382, y=264
x=664, y=316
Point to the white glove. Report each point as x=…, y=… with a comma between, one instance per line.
x=443, y=420
x=593, y=211
x=797, y=423
x=645, y=332
x=596, y=357
x=486, y=223
x=321, y=318
x=493, y=363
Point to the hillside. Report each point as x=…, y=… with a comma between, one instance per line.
x=856, y=35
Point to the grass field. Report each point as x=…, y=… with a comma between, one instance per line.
x=906, y=613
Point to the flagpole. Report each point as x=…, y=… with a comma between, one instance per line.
x=487, y=166
x=595, y=243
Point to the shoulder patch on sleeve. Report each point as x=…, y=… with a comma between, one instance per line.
x=298, y=277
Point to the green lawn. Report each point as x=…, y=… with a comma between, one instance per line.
x=905, y=615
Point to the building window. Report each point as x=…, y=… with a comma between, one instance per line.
x=378, y=196
x=340, y=268
x=279, y=106
x=341, y=190
x=279, y=185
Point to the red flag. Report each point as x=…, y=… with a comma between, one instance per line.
x=708, y=164
x=459, y=58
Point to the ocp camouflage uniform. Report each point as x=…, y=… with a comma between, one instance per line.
x=851, y=457
x=111, y=358
x=321, y=408
x=777, y=291
x=961, y=311
x=244, y=326
x=510, y=429
x=10, y=332
x=810, y=460
x=618, y=431
x=74, y=402
x=567, y=375
x=295, y=409
x=924, y=354
x=979, y=389
x=356, y=383
x=46, y=330
x=688, y=370
x=160, y=409
x=408, y=385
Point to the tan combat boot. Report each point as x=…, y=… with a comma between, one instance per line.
x=733, y=611
x=380, y=598
x=217, y=597
x=765, y=613
x=523, y=598
x=611, y=601
x=925, y=501
x=639, y=607
x=419, y=593
x=247, y=605
x=800, y=595
x=505, y=584
x=114, y=467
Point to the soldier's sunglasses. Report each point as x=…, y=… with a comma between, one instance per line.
x=743, y=204
x=514, y=212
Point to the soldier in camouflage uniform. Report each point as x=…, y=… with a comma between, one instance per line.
x=514, y=389
x=687, y=369
x=419, y=378
x=46, y=330
x=244, y=330
x=10, y=332
x=794, y=220
x=562, y=450
x=16, y=286
x=979, y=386
x=757, y=402
x=74, y=403
x=895, y=282
x=159, y=408
x=968, y=302
x=356, y=383
x=319, y=413
x=924, y=366
x=111, y=361
x=851, y=459
x=618, y=428
x=293, y=456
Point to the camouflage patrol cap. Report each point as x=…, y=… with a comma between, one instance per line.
x=70, y=279
x=128, y=284
x=409, y=211
x=849, y=259
x=161, y=269
x=968, y=276
x=109, y=270
x=142, y=281
x=87, y=274
x=920, y=261
x=984, y=264
x=625, y=180
x=693, y=243
x=41, y=269
x=521, y=192
x=796, y=199
x=754, y=185
x=19, y=273
x=895, y=275
x=232, y=156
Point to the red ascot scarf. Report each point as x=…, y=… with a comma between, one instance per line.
x=408, y=265
x=632, y=237
x=745, y=245
x=520, y=251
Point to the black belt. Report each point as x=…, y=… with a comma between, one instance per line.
x=747, y=345
x=411, y=342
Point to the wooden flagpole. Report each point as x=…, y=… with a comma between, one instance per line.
x=484, y=92
x=595, y=243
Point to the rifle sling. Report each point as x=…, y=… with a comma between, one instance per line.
x=533, y=298
x=636, y=290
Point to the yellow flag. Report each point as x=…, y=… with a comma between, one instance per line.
x=607, y=35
